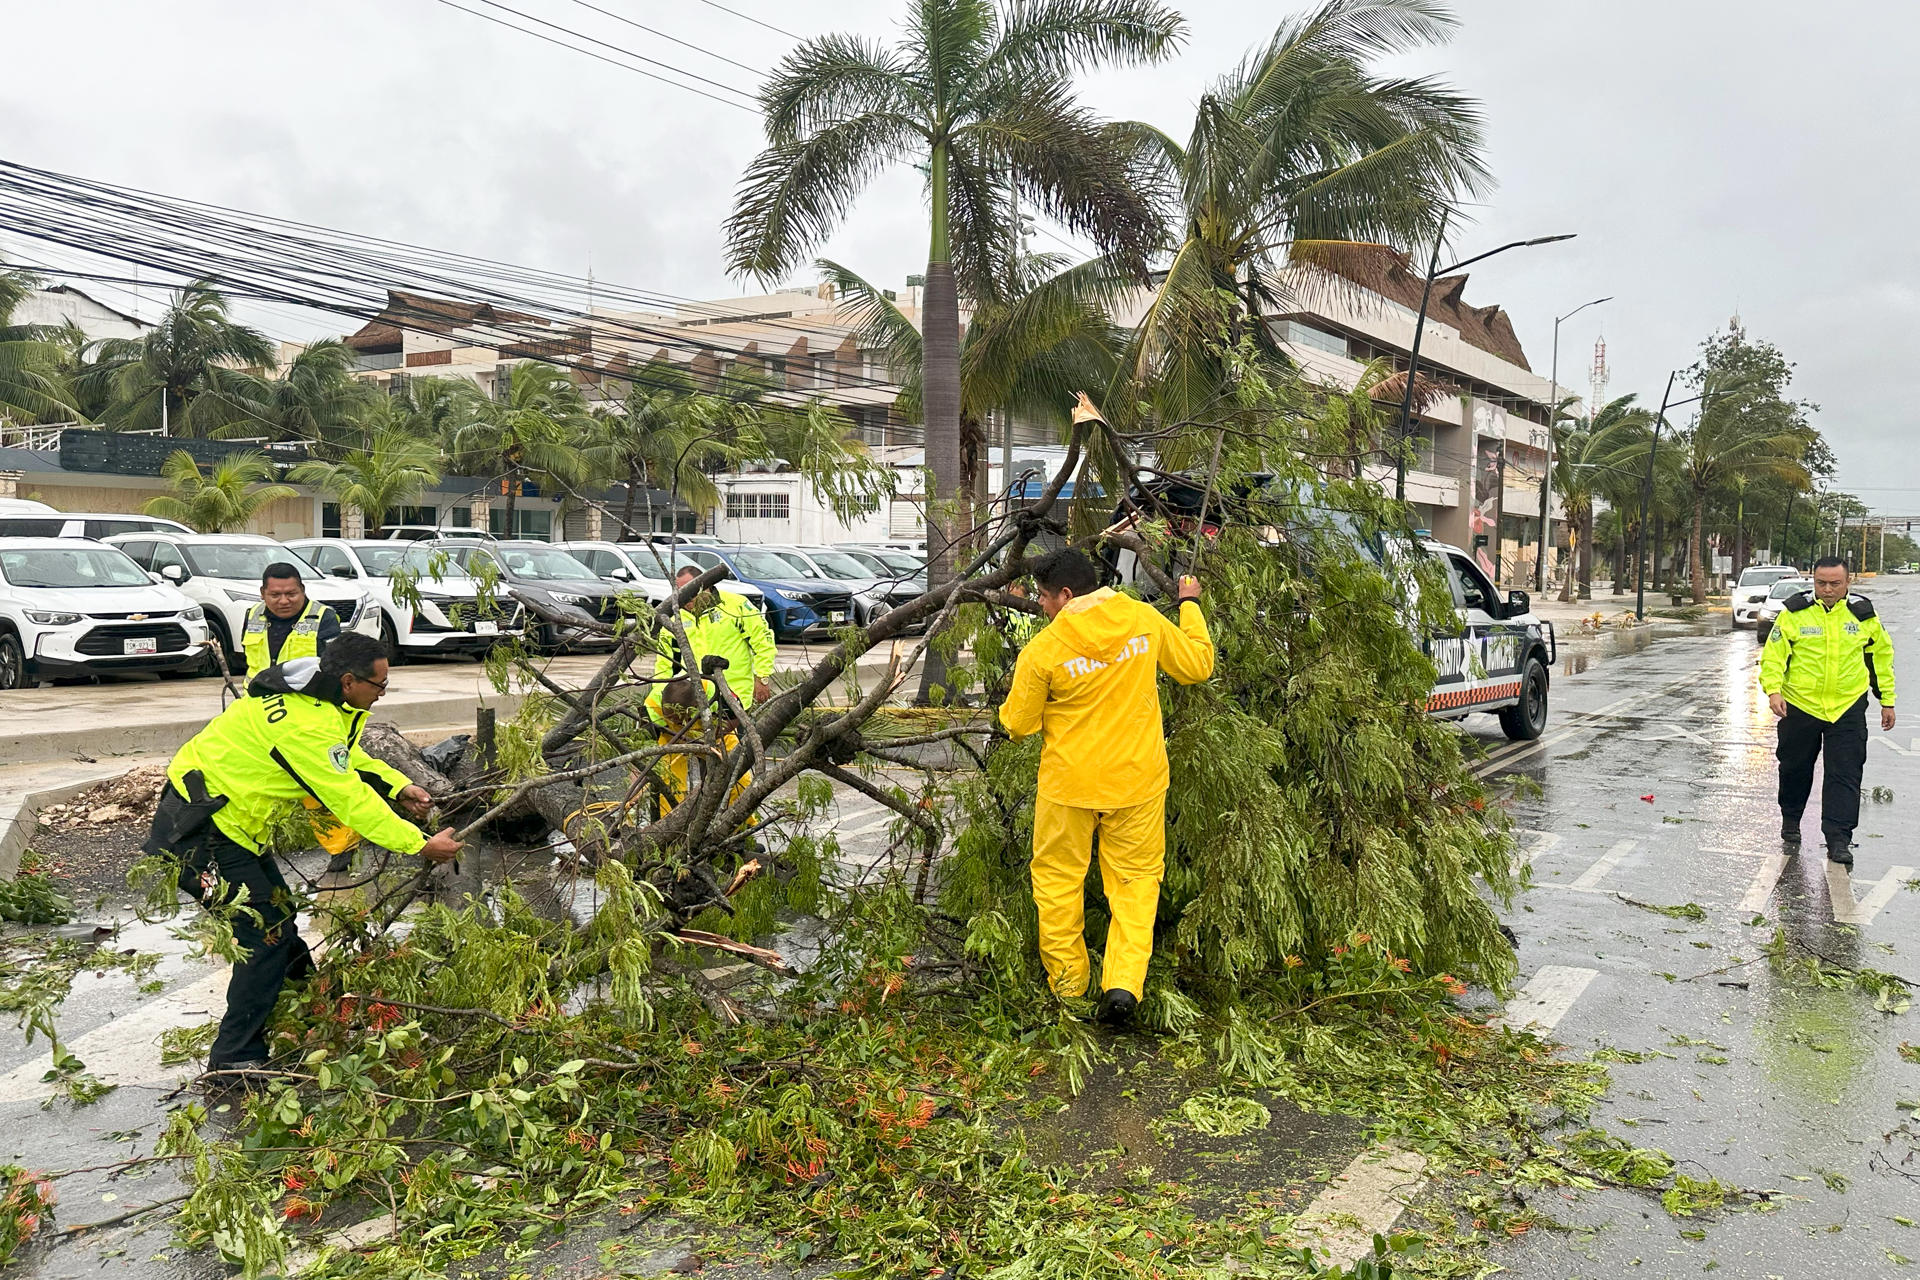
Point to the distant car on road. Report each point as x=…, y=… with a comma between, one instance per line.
x=448, y=617
x=1776, y=602
x=72, y=607
x=1751, y=591
x=221, y=573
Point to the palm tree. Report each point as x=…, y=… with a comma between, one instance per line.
x=184, y=373
x=982, y=98
x=660, y=437
x=1593, y=461
x=33, y=387
x=222, y=502
x=1300, y=154
x=316, y=398
x=393, y=469
x=1743, y=429
x=534, y=434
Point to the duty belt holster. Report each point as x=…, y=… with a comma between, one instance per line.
x=182, y=825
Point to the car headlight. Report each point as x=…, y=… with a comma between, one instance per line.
x=51, y=618
x=240, y=593
x=578, y=602
x=195, y=614
x=434, y=597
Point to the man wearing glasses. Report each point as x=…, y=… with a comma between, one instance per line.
x=294, y=740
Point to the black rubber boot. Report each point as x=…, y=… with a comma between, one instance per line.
x=1790, y=830
x=1116, y=1008
x=1840, y=851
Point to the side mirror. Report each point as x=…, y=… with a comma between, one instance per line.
x=1518, y=602
x=622, y=574
x=174, y=573
x=341, y=571
x=155, y=579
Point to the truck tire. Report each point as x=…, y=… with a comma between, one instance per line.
x=1526, y=719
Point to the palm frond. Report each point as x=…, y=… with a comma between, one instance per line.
x=795, y=193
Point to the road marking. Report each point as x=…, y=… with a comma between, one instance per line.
x=879, y=824
x=126, y=1050
x=1368, y=1197
x=1582, y=721
x=1840, y=894
x=357, y=1236
x=1589, y=881
x=1911, y=749
x=1763, y=881
x=1532, y=846
x=1546, y=997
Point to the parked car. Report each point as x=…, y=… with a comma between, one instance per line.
x=427, y=533
x=1776, y=603
x=1751, y=591
x=646, y=568
x=890, y=563
x=543, y=574
x=220, y=572
x=83, y=524
x=685, y=539
x=450, y=615
x=875, y=590
x=797, y=607
x=69, y=607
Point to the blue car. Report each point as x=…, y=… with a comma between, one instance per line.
x=797, y=608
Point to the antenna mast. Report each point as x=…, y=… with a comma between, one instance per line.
x=1597, y=384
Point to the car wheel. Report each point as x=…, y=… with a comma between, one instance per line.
x=1526, y=719
x=13, y=663
x=390, y=641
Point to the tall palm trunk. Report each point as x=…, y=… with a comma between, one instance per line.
x=1586, y=552
x=940, y=399
x=1620, y=557
x=513, y=496
x=634, y=480
x=1698, y=565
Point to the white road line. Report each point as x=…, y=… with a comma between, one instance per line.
x=1840, y=894
x=1589, y=881
x=878, y=824
x=1763, y=881
x=1513, y=751
x=1532, y=846
x=356, y=1236
x=1370, y=1194
x=126, y=1050
x=1546, y=997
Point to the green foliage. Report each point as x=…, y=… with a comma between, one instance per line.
x=26, y=1204
x=1224, y=1115
x=221, y=501
x=32, y=898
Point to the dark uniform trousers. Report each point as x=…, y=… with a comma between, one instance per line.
x=213, y=870
x=1802, y=739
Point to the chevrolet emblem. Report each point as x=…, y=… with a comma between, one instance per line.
x=136, y=617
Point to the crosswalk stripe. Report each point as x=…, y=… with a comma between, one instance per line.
x=1589, y=882
x=126, y=1050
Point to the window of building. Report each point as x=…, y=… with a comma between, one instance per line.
x=329, y=519
x=428, y=516
x=756, y=506
x=1305, y=335
x=461, y=517
x=527, y=523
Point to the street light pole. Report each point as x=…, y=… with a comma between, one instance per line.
x=1646, y=495
x=1434, y=271
x=1553, y=417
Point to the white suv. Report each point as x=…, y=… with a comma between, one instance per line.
x=221, y=572
x=1752, y=589
x=71, y=607
x=648, y=569
x=448, y=616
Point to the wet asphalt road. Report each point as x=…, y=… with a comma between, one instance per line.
x=1764, y=1080
x=1800, y=1105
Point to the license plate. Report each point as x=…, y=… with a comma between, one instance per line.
x=141, y=644
x=486, y=628
x=836, y=616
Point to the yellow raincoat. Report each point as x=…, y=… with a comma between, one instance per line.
x=1087, y=683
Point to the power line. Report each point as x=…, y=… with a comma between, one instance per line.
x=713, y=4
x=591, y=54
x=641, y=26
x=581, y=35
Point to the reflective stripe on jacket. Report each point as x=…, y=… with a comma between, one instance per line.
x=1822, y=658
x=269, y=751
x=1086, y=682
x=733, y=629
x=304, y=641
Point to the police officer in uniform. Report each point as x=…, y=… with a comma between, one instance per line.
x=1826, y=652
x=285, y=624
x=732, y=631
x=294, y=738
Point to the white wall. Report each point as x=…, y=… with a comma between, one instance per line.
x=808, y=521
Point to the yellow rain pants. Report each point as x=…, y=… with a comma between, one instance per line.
x=672, y=772
x=1133, y=849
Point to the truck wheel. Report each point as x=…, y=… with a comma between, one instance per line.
x=1526, y=719
x=13, y=663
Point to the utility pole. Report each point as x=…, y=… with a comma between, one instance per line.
x=1413, y=363
x=1553, y=417
x=1646, y=496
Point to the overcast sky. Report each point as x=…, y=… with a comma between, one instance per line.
x=1714, y=158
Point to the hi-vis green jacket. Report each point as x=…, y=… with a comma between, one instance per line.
x=733, y=629
x=287, y=740
x=1821, y=658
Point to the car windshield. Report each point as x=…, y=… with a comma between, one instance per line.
x=381, y=561
x=765, y=564
x=1786, y=587
x=425, y=563
x=651, y=564
x=797, y=563
x=241, y=561
x=547, y=564
x=900, y=563
x=838, y=564
x=1764, y=577
x=80, y=567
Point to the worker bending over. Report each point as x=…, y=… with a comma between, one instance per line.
x=722, y=625
x=295, y=737
x=1086, y=682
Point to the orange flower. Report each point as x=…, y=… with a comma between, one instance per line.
x=1293, y=962
x=294, y=1181
x=693, y=1048
x=1362, y=939
x=1403, y=965
x=298, y=1207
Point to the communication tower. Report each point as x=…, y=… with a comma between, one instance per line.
x=1597, y=384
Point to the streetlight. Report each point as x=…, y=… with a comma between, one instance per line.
x=1553, y=415
x=1646, y=494
x=1434, y=270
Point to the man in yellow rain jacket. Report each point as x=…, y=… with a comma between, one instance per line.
x=1827, y=650
x=719, y=624
x=1086, y=682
